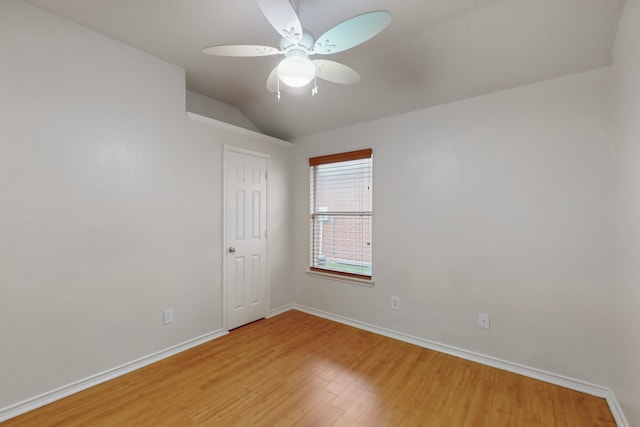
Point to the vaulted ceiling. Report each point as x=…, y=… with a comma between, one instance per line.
x=433, y=52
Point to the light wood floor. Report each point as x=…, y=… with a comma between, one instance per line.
x=300, y=370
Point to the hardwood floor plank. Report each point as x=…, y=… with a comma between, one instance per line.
x=324, y=416
x=300, y=370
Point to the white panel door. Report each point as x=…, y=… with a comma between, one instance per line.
x=246, y=284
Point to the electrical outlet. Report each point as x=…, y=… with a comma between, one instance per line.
x=167, y=316
x=395, y=303
x=483, y=321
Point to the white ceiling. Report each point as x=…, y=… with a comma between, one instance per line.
x=434, y=51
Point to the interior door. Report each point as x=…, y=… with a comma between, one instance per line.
x=246, y=283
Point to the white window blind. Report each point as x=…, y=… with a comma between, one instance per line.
x=342, y=213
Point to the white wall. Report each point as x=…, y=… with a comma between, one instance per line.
x=110, y=206
x=498, y=204
x=209, y=107
x=625, y=343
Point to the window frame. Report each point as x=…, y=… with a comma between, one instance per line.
x=334, y=159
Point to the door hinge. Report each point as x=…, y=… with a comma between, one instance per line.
x=265, y=175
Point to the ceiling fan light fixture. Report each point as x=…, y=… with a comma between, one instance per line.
x=296, y=71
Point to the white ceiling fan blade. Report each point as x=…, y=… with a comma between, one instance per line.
x=241, y=50
x=335, y=72
x=272, y=80
x=282, y=16
x=352, y=32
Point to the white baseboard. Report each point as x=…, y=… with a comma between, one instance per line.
x=538, y=374
x=281, y=310
x=616, y=410
x=83, y=384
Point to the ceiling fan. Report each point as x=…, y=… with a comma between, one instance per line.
x=297, y=45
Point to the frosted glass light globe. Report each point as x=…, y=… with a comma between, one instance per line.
x=296, y=71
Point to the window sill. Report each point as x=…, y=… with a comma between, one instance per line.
x=340, y=278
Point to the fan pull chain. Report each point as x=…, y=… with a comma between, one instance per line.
x=278, y=88
x=314, y=91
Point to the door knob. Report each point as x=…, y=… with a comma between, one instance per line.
x=232, y=249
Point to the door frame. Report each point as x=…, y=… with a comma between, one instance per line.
x=232, y=148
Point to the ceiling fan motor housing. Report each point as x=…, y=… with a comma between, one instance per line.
x=305, y=44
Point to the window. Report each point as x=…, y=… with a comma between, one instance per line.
x=342, y=214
